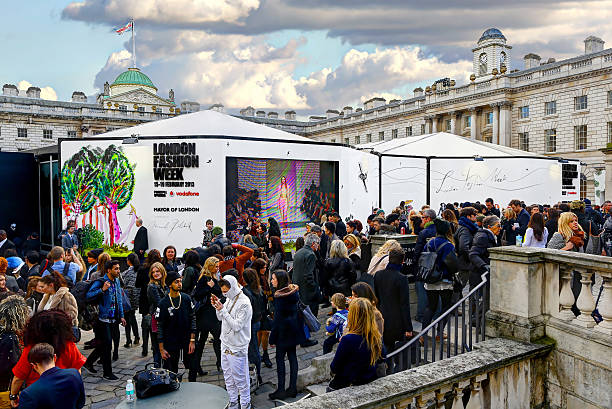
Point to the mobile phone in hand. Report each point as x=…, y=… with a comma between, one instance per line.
x=214, y=298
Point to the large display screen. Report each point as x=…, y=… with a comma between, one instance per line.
x=294, y=192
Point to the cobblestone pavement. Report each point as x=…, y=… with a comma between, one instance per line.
x=101, y=393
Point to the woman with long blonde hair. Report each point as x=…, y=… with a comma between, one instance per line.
x=569, y=236
x=381, y=259
x=359, y=350
x=156, y=290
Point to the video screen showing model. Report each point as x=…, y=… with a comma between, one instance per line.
x=293, y=192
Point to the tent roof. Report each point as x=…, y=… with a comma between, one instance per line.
x=204, y=123
x=441, y=144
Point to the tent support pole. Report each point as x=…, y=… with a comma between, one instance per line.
x=379, y=181
x=428, y=181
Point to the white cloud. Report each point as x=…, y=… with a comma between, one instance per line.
x=45, y=92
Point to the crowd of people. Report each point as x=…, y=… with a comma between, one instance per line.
x=316, y=203
x=246, y=296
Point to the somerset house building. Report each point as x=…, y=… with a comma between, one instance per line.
x=555, y=108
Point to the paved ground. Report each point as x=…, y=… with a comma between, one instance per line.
x=106, y=394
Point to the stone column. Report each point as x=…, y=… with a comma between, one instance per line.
x=453, y=115
x=505, y=123
x=608, y=163
x=495, y=137
x=434, y=123
x=473, y=123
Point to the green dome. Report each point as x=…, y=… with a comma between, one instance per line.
x=133, y=76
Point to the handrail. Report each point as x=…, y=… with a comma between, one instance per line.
x=441, y=317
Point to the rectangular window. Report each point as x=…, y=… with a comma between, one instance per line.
x=488, y=138
x=550, y=108
x=394, y=134
x=550, y=136
x=609, y=97
x=523, y=141
x=357, y=140
x=409, y=131
x=369, y=138
x=141, y=110
x=71, y=134
x=580, y=137
x=122, y=108
x=47, y=134
x=580, y=102
x=333, y=140
x=22, y=132
x=381, y=136
x=468, y=121
x=524, y=112
x=448, y=125
x=347, y=141
x=422, y=129
x=609, y=132
x=489, y=118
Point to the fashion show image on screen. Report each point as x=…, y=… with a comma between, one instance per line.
x=294, y=192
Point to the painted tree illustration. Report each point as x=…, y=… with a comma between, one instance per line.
x=79, y=181
x=115, y=186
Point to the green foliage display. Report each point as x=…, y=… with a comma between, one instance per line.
x=91, y=238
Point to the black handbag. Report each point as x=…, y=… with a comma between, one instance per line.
x=155, y=381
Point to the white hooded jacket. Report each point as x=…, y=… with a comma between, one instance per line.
x=235, y=325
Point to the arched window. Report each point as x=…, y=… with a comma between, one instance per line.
x=482, y=63
x=502, y=59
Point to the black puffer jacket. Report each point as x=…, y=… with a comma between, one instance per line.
x=341, y=275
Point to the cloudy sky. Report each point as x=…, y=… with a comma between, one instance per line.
x=308, y=55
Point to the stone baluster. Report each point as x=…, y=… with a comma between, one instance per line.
x=605, y=305
x=566, y=296
x=476, y=397
x=585, y=302
x=458, y=394
x=441, y=397
x=421, y=401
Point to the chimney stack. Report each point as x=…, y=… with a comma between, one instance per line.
x=290, y=115
x=332, y=113
x=531, y=60
x=273, y=115
x=78, y=96
x=33, y=92
x=347, y=110
x=10, y=90
x=418, y=92
x=260, y=114
x=593, y=44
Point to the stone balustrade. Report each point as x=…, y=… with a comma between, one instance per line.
x=499, y=373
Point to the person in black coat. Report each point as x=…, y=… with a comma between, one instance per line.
x=142, y=282
x=339, y=270
x=206, y=317
x=287, y=333
x=484, y=239
x=463, y=243
x=340, y=226
x=490, y=209
x=522, y=218
x=392, y=290
x=5, y=243
x=141, y=241
x=427, y=233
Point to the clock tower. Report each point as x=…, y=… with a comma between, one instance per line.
x=491, y=52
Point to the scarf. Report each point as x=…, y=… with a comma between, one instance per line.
x=468, y=224
x=577, y=239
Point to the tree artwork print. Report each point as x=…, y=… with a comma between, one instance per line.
x=101, y=182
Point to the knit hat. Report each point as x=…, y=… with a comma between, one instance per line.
x=171, y=277
x=442, y=226
x=217, y=231
x=587, y=202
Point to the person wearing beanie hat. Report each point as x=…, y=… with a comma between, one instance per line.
x=176, y=327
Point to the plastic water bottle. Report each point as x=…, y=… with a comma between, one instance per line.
x=519, y=241
x=129, y=391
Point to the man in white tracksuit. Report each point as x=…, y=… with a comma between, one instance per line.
x=235, y=316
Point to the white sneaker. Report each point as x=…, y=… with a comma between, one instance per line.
x=247, y=406
x=232, y=405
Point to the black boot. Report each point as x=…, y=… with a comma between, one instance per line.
x=266, y=359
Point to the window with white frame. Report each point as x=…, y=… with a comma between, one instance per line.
x=583, y=189
x=550, y=108
x=422, y=129
x=347, y=141
x=22, y=132
x=408, y=131
x=580, y=137
x=609, y=132
x=580, y=102
x=523, y=141
x=357, y=140
x=524, y=112
x=369, y=138
x=141, y=110
x=71, y=134
x=448, y=125
x=394, y=134
x=381, y=136
x=468, y=121
x=489, y=118
x=47, y=134
x=550, y=136
x=122, y=107
x=609, y=97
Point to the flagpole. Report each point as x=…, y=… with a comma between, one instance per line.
x=133, y=45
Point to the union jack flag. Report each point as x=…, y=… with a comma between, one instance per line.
x=125, y=28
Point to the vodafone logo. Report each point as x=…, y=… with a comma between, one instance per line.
x=188, y=193
x=171, y=193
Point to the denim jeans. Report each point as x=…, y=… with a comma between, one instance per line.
x=254, y=357
x=281, y=351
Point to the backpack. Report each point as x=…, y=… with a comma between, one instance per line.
x=428, y=270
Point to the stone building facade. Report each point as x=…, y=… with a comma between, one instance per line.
x=551, y=108
x=29, y=122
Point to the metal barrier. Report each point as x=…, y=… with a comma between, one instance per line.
x=468, y=317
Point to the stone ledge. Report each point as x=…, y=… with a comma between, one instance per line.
x=528, y=255
x=491, y=355
x=500, y=324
